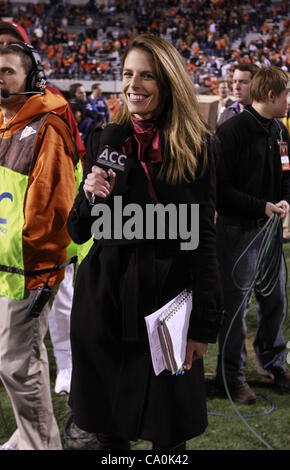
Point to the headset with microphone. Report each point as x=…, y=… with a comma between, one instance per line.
x=36, y=79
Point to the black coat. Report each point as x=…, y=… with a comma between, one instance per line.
x=114, y=388
x=249, y=172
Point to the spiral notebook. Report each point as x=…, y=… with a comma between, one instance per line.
x=167, y=333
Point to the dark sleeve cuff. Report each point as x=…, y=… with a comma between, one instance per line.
x=80, y=221
x=204, y=326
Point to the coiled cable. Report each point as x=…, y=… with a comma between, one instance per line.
x=265, y=278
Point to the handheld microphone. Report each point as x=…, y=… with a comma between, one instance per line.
x=5, y=93
x=110, y=153
x=111, y=142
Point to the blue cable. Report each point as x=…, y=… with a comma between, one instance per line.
x=264, y=413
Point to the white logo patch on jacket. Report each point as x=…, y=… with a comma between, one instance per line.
x=27, y=131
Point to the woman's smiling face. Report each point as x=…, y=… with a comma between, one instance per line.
x=139, y=84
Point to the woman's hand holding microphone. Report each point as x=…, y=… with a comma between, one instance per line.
x=99, y=183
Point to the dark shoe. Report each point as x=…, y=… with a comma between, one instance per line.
x=75, y=438
x=241, y=393
x=214, y=389
x=282, y=379
x=107, y=442
x=265, y=373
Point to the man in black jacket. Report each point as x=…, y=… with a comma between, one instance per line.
x=253, y=183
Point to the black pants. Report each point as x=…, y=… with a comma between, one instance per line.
x=269, y=344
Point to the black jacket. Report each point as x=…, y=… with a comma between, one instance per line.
x=249, y=171
x=228, y=113
x=133, y=187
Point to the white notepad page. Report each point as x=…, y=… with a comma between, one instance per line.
x=177, y=326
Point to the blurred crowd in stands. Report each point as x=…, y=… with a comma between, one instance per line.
x=87, y=41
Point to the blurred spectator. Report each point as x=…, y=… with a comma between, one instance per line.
x=224, y=92
x=89, y=117
x=96, y=99
x=114, y=104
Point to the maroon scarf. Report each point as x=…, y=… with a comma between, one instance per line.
x=147, y=137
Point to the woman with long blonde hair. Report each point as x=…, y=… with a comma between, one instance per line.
x=168, y=164
x=184, y=132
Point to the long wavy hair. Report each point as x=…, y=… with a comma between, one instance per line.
x=185, y=133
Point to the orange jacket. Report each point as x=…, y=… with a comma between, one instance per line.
x=51, y=186
x=68, y=115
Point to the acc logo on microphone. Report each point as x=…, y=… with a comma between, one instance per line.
x=112, y=159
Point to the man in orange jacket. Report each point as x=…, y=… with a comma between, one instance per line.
x=59, y=318
x=37, y=186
